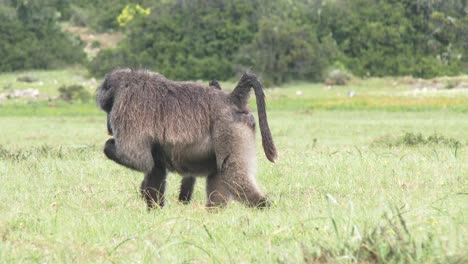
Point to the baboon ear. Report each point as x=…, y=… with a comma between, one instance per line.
x=106, y=84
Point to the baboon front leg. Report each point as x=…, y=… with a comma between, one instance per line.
x=110, y=151
x=138, y=157
x=153, y=187
x=186, y=189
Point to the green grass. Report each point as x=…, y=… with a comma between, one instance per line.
x=43, y=108
x=338, y=196
x=389, y=94
x=47, y=82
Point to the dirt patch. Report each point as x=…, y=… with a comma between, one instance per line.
x=25, y=93
x=95, y=41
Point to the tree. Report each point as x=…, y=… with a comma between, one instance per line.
x=31, y=39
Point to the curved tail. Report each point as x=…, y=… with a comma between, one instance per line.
x=240, y=97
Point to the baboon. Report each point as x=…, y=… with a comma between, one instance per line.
x=188, y=182
x=215, y=84
x=160, y=125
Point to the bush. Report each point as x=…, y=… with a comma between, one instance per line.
x=337, y=77
x=31, y=39
x=79, y=17
x=286, y=40
x=109, y=59
x=282, y=51
x=74, y=93
x=99, y=15
x=163, y=41
x=416, y=139
x=398, y=38
x=27, y=79
x=95, y=44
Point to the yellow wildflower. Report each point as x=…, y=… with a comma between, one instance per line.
x=130, y=11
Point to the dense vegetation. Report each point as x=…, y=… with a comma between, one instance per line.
x=281, y=40
x=285, y=40
x=31, y=38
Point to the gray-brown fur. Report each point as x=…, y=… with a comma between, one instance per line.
x=161, y=125
x=213, y=83
x=188, y=182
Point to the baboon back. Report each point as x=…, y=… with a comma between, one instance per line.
x=162, y=110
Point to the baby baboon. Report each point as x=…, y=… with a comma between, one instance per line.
x=191, y=129
x=215, y=84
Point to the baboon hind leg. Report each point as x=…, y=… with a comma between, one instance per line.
x=217, y=192
x=235, y=155
x=153, y=187
x=186, y=189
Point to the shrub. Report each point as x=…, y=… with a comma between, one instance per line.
x=163, y=41
x=337, y=77
x=108, y=59
x=79, y=17
x=282, y=51
x=450, y=84
x=27, y=79
x=416, y=139
x=74, y=93
x=33, y=40
x=95, y=44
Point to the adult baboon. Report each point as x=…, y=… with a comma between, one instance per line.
x=161, y=125
x=188, y=182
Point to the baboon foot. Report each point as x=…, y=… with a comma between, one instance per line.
x=152, y=190
x=153, y=198
x=186, y=189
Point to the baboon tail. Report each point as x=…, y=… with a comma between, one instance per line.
x=240, y=97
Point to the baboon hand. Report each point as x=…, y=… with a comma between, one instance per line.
x=263, y=203
x=109, y=149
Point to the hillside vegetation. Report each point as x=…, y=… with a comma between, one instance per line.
x=281, y=40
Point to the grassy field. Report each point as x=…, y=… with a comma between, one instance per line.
x=377, y=177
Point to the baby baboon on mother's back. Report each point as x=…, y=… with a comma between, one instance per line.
x=161, y=125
